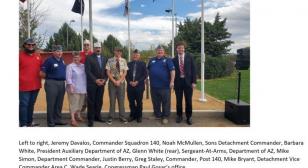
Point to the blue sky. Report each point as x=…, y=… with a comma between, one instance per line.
x=150, y=24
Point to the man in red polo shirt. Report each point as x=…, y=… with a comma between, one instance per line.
x=86, y=51
x=29, y=82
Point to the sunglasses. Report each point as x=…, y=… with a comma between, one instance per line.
x=30, y=44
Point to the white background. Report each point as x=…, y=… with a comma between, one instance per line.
x=279, y=87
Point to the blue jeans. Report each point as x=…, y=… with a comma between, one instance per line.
x=26, y=107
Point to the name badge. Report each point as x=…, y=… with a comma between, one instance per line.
x=153, y=61
x=55, y=65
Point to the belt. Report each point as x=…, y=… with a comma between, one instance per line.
x=56, y=79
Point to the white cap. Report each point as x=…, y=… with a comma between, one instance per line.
x=86, y=42
x=97, y=45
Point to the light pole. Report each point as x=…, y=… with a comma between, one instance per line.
x=202, y=98
x=71, y=21
x=171, y=11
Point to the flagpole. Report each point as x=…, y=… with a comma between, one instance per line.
x=173, y=4
x=90, y=24
x=28, y=18
x=128, y=28
x=81, y=25
x=202, y=98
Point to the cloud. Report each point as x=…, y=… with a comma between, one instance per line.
x=142, y=5
x=237, y=13
x=146, y=30
x=136, y=13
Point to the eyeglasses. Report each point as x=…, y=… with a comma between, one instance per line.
x=86, y=44
x=30, y=44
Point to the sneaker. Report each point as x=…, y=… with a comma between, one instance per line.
x=164, y=121
x=123, y=120
x=109, y=121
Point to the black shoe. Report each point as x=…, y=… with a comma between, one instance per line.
x=51, y=125
x=189, y=121
x=131, y=119
x=61, y=123
x=100, y=120
x=90, y=124
x=33, y=124
x=178, y=119
x=139, y=120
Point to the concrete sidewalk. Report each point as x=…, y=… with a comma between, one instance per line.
x=200, y=119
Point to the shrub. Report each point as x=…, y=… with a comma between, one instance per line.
x=215, y=67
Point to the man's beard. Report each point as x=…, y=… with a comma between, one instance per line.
x=29, y=51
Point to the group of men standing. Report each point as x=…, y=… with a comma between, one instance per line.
x=165, y=74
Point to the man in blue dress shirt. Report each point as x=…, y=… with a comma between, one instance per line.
x=54, y=72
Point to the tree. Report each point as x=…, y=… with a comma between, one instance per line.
x=217, y=41
x=37, y=17
x=86, y=35
x=65, y=34
x=110, y=43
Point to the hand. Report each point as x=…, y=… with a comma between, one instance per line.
x=131, y=83
x=103, y=81
x=99, y=82
x=136, y=83
x=70, y=88
x=193, y=85
x=117, y=83
x=171, y=85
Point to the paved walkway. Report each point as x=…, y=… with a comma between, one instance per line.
x=212, y=104
x=204, y=119
x=205, y=114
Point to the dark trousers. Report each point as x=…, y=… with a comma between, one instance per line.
x=188, y=92
x=26, y=106
x=161, y=102
x=55, y=91
x=95, y=102
x=135, y=97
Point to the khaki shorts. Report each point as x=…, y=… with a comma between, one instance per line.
x=76, y=101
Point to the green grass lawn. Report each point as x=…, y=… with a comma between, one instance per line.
x=226, y=88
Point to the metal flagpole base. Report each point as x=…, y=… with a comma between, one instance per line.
x=202, y=99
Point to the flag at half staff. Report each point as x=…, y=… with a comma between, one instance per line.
x=77, y=7
x=126, y=8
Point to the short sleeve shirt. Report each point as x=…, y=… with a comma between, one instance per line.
x=54, y=68
x=159, y=72
x=111, y=65
x=29, y=71
x=84, y=55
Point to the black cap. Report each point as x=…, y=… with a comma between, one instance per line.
x=136, y=51
x=29, y=41
x=57, y=48
x=159, y=47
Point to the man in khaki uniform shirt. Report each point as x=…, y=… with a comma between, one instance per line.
x=116, y=70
